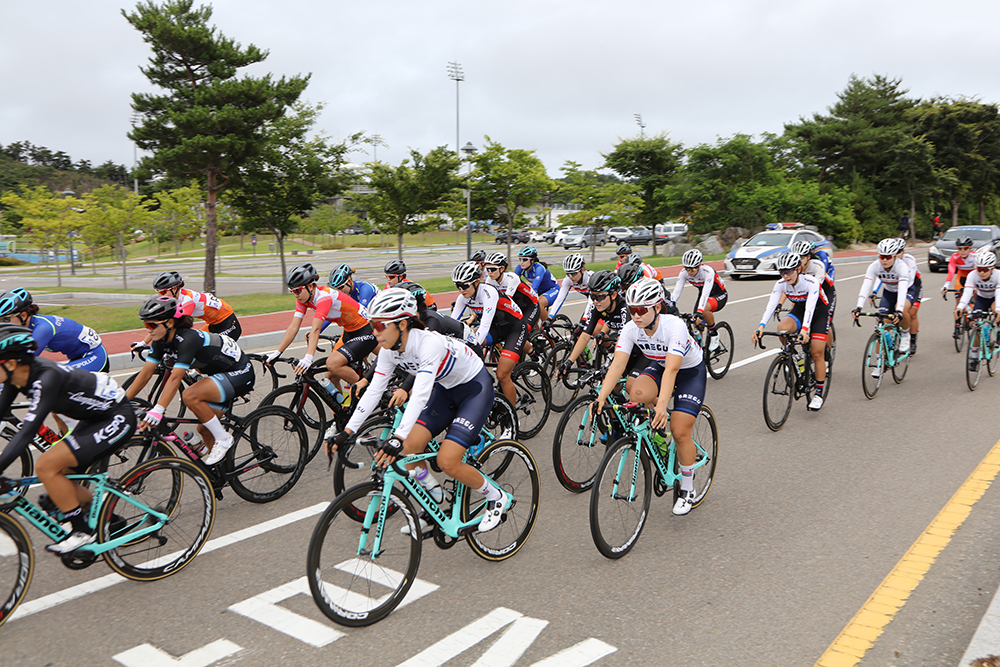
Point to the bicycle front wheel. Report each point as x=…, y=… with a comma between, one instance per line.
x=268, y=455
x=510, y=465
x=872, y=366
x=831, y=345
x=17, y=565
x=351, y=583
x=300, y=399
x=973, y=364
x=779, y=390
x=706, y=437
x=172, y=487
x=579, y=444
x=719, y=360
x=619, y=499
x=534, y=396
x=900, y=367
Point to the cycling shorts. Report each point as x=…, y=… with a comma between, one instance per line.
x=357, y=344
x=463, y=409
x=887, y=304
x=915, y=292
x=983, y=303
x=550, y=296
x=227, y=327
x=95, y=361
x=96, y=439
x=689, y=386
x=820, y=321
x=714, y=303
x=236, y=381
x=513, y=335
x=636, y=363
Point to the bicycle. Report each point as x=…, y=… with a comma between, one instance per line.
x=984, y=332
x=831, y=330
x=719, y=360
x=548, y=334
x=790, y=377
x=533, y=391
x=962, y=327
x=565, y=389
x=41, y=441
x=147, y=526
x=357, y=577
x=882, y=351
x=623, y=487
x=575, y=460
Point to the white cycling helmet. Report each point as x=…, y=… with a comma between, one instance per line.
x=573, y=263
x=788, y=260
x=899, y=246
x=393, y=304
x=692, y=259
x=647, y=292
x=496, y=259
x=802, y=248
x=466, y=272
x=887, y=246
x=986, y=260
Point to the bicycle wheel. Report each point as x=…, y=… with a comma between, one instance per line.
x=564, y=390
x=510, y=465
x=17, y=565
x=779, y=392
x=579, y=444
x=719, y=360
x=619, y=499
x=961, y=326
x=502, y=420
x=562, y=327
x=832, y=344
x=303, y=401
x=268, y=455
x=534, y=395
x=872, y=363
x=900, y=367
x=132, y=453
x=706, y=436
x=994, y=360
x=265, y=381
x=350, y=584
x=973, y=363
x=541, y=345
x=170, y=486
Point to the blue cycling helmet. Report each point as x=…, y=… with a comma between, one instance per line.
x=15, y=301
x=528, y=251
x=340, y=275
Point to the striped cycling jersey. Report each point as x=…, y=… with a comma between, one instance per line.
x=334, y=306
x=897, y=278
x=706, y=275
x=985, y=288
x=204, y=305
x=671, y=337
x=493, y=307
x=806, y=289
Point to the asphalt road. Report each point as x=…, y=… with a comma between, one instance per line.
x=800, y=527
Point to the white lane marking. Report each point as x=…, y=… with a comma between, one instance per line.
x=758, y=357
x=150, y=656
x=461, y=640
x=264, y=609
x=513, y=643
x=73, y=592
x=580, y=655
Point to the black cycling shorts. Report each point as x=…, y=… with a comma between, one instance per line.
x=93, y=440
x=463, y=410
x=227, y=327
x=356, y=345
x=236, y=381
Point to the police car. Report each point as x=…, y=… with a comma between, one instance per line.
x=757, y=256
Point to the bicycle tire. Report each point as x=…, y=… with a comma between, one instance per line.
x=174, y=487
x=872, y=359
x=269, y=451
x=579, y=444
x=960, y=325
x=534, y=397
x=562, y=327
x=343, y=583
x=17, y=565
x=779, y=392
x=563, y=391
x=616, y=521
x=718, y=362
x=994, y=360
x=304, y=402
x=706, y=434
x=832, y=342
x=900, y=367
x=972, y=377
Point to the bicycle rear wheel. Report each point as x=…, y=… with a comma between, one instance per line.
x=173, y=487
x=17, y=565
x=973, y=363
x=706, y=436
x=619, y=499
x=779, y=392
x=350, y=584
x=534, y=396
x=872, y=366
x=511, y=466
x=961, y=327
x=268, y=455
x=132, y=453
x=303, y=401
x=719, y=360
x=579, y=444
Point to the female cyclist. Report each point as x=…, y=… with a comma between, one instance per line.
x=623, y=252
x=228, y=371
x=536, y=272
x=577, y=278
x=710, y=300
x=81, y=344
x=983, y=283
x=395, y=273
x=515, y=289
x=218, y=314
x=675, y=369
x=896, y=276
x=342, y=278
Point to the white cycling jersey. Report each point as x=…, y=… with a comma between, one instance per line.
x=984, y=287
x=490, y=304
x=805, y=289
x=705, y=277
x=897, y=278
x=671, y=337
x=583, y=287
x=430, y=357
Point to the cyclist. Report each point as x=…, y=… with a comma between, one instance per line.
x=479, y=257
x=515, y=289
x=624, y=250
x=452, y=390
x=500, y=320
x=536, y=272
x=675, y=370
x=709, y=301
x=81, y=344
x=813, y=266
x=983, y=283
x=356, y=342
x=342, y=278
x=914, y=294
x=577, y=278
x=218, y=315
x=809, y=315
x=896, y=277
x=227, y=370
x=960, y=264
x=395, y=273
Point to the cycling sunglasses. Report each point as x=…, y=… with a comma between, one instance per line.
x=786, y=272
x=390, y=276
x=152, y=325
x=296, y=290
x=382, y=326
x=599, y=296
x=492, y=269
x=164, y=292
x=639, y=310
x=886, y=256
x=463, y=286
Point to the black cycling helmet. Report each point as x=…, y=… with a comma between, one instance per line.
x=340, y=275
x=963, y=242
x=301, y=275
x=395, y=267
x=604, y=281
x=479, y=256
x=15, y=301
x=624, y=249
x=629, y=273
x=168, y=279
x=159, y=308
x=411, y=287
x=16, y=342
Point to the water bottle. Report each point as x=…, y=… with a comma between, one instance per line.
x=338, y=396
x=193, y=441
x=800, y=362
x=661, y=443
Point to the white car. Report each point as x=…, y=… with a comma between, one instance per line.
x=757, y=257
x=564, y=232
x=617, y=234
x=535, y=236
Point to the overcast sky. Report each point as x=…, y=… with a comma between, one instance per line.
x=564, y=78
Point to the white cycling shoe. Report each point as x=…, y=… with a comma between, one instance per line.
x=494, y=512
x=218, y=452
x=816, y=403
x=685, y=501
x=904, y=342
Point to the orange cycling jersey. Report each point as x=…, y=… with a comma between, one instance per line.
x=334, y=306
x=204, y=305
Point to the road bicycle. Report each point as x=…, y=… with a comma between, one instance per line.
x=625, y=483
x=583, y=435
x=717, y=361
x=984, y=347
x=533, y=392
x=790, y=377
x=590, y=364
x=150, y=523
x=882, y=352
x=831, y=330
x=962, y=328
x=548, y=334
x=359, y=573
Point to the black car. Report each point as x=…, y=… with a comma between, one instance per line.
x=517, y=236
x=642, y=236
x=982, y=235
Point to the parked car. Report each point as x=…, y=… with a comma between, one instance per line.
x=757, y=256
x=354, y=229
x=517, y=236
x=982, y=235
x=561, y=234
x=618, y=234
x=535, y=236
x=642, y=236
x=671, y=230
x=584, y=237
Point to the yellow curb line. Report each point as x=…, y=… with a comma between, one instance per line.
x=881, y=607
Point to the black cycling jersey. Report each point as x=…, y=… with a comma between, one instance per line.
x=435, y=321
x=77, y=394
x=616, y=316
x=210, y=353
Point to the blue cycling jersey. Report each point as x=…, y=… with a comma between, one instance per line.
x=58, y=334
x=540, y=277
x=363, y=292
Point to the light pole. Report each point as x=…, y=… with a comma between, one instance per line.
x=72, y=265
x=469, y=151
x=135, y=155
x=642, y=127
x=455, y=74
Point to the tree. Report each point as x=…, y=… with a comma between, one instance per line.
x=602, y=200
x=49, y=219
x=117, y=211
x=179, y=215
x=404, y=193
x=208, y=123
